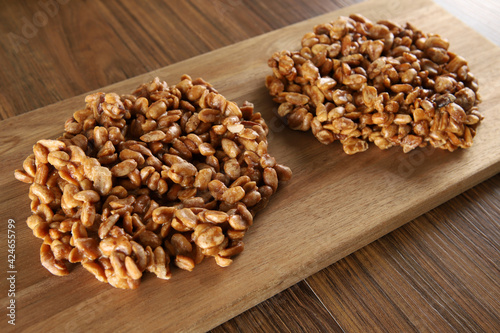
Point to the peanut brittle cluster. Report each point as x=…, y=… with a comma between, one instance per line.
x=166, y=175
x=356, y=81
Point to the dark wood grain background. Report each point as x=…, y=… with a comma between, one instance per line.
x=438, y=273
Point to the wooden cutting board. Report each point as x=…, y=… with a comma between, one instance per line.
x=334, y=205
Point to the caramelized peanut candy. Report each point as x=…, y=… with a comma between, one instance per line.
x=356, y=81
x=165, y=176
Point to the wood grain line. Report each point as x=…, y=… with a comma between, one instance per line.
x=298, y=310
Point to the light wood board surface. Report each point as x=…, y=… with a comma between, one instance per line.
x=334, y=205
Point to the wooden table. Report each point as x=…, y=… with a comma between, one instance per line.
x=440, y=272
